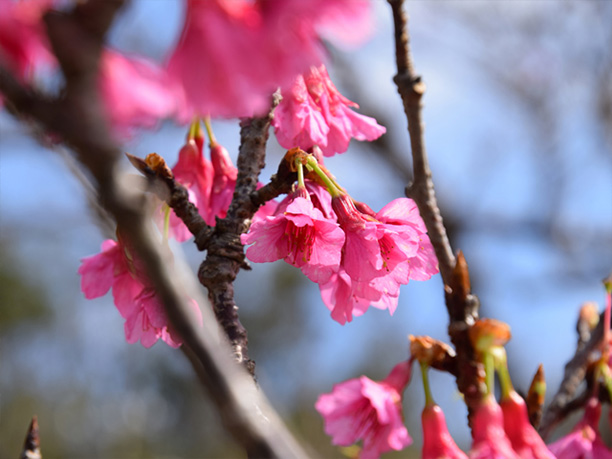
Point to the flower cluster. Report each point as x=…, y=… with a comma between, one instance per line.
x=313, y=112
x=358, y=257
x=233, y=54
x=118, y=269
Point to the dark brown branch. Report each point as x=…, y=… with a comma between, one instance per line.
x=225, y=252
x=462, y=306
x=573, y=376
x=176, y=196
x=77, y=39
x=31, y=445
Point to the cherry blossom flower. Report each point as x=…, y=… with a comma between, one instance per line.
x=195, y=173
x=115, y=267
x=437, y=441
x=233, y=54
x=224, y=182
x=362, y=409
x=313, y=112
x=489, y=439
x=300, y=234
x=135, y=91
x=523, y=437
x=23, y=42
x=584, y=441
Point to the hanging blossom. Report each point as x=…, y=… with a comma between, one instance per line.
x=489, y=437
x=313, y=112
x=24, y=47
x=524, y=439
x=116, y=268
x=23, y=42
x=362, y=409
x=380, y=252
x=210, y=184
x=300, y=234
x=233, y=54
x=584, y=441
x=136, y=92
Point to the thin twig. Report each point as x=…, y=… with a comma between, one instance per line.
x=573, y=376
x=77, y=40
x=462, y=306
x=169, y=190
x=225, y=254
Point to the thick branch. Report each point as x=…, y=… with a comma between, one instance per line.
x=462, y=306
x=78, y=120
x=225, y=252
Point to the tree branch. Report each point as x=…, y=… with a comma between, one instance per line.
x=77, y=39
x=225, y=252
x=575, y=372
x=462, y=306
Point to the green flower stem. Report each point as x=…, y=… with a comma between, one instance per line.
x=489, y=364
x=194, y=128
x=300, y=174
x=211, y=136
x=429, y=401
x=333, y=190
x=501, y=364
x=166, y=221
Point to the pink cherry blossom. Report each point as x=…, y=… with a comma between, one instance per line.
x=300, y=234
x=224, y=182
x=135, y=91
x=523, y=437
x=23, y=42
x=489, y=439
x=437, y=441
x=233, y=54
x=115, y=267
x=313, y=112
x=584, y=441
x=194, y=172
x=362, y=409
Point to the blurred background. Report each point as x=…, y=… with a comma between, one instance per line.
x=518, y=115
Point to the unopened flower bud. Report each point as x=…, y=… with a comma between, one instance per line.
x=488, y=333
x=429, y=351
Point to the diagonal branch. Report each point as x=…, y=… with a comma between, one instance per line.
x=77, y=39
x=462, y=306
x=574, y=374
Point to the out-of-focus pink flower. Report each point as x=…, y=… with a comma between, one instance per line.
x=224, y=182
x=584, y=441
x=135, y=91
x=300, y=234
x=115, y=267
x=313, y=112
x=23, y=42
x=437, y=441
x=489, y=438
x=234, y=53
x=523, y=437
x=195, y=173
x=362, y=409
